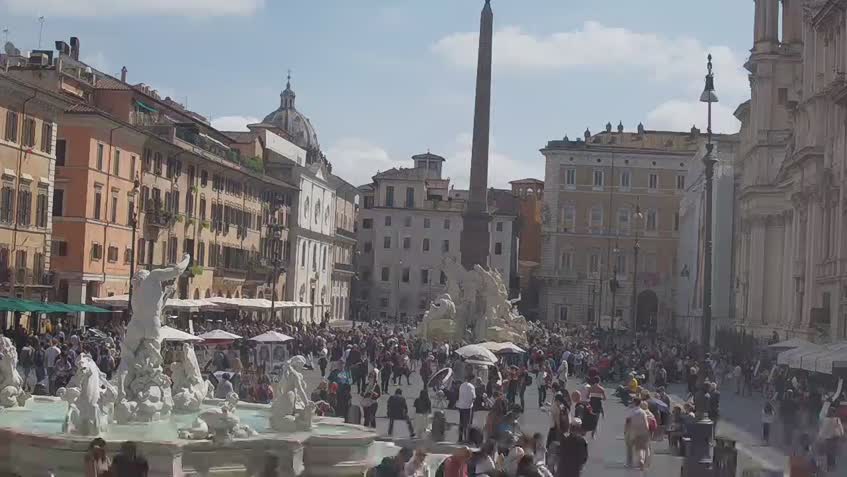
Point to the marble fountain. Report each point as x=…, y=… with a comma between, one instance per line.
x=177, y=427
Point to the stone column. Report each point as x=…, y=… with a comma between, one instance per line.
x=757, y=269
x=792, y=21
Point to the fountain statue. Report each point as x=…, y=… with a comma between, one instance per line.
x=475, y=308
x=221, y=425
x=292, y=410
x=90, y=399
x=12, y=393
x=144, y=391
x=189, y=388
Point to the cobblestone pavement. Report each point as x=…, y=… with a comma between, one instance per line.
x=607, y=453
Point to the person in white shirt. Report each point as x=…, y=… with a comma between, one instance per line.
x=467, y=396
x=637, y=435
x=562, y=374
x=830, y=434
x=50, y=355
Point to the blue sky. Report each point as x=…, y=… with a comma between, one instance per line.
x=382, y=80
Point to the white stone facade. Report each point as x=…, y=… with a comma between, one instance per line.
x=791, y=241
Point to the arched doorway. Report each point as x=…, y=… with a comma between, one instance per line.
x=647, y=311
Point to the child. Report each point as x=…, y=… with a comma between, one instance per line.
x=767, y=420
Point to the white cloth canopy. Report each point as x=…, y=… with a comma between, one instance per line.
x=173, y=334
x=826, y=359
x=507, y=347
x=790, y=344
x=793, y=357
x=219, y=335
x=256, y=303
x=271, y=337
x=476, y=352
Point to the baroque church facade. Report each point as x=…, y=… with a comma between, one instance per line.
x=790, y=243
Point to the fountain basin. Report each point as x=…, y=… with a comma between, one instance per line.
x=32, y=443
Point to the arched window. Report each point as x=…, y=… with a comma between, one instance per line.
x=196, y=293
x=303, y=256
x=237, y=294
x=306, y=211
x=261, y=295
x=208, y=293
x=201, y=254
x=323, y=260
x=314, y=257
x=326, y=216
x=302, y=293
x=317, y=211
x=229, y=294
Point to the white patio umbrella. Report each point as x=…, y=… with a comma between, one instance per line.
x=271, y=337
x=173, y=334
x=476, y=352
x=219, y=335
x=507, y=347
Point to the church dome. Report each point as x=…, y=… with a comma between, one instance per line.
x=293, y=122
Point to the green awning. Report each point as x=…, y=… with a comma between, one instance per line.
x=144, y=107
x=30, y=306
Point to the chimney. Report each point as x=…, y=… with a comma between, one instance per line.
x=75, y=48
x=63, y=48
x=123, y=74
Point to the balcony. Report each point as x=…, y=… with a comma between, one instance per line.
x=24, y=277
x=345, y=233
x=444, y=205
x=343, y=268
x=233, y=273
x=159, y=218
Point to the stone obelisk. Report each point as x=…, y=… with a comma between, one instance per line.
x=475, y=240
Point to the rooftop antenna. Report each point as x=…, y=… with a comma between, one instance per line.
x=40, y=29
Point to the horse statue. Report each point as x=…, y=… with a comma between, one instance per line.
x=12, y=393
x=189, y=388
x=90, y=399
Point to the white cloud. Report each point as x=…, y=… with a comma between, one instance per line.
x=598, y=47
x=233, y=123
x=112, y=8
x=676, y=115
x=356, y=160
x=501, y=167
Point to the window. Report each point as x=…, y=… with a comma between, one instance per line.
x=653, y=183
x=116, y=164
x=407, y=243
x=405, y=276
x=566, y=261
x=623, y=219
x=172, y=246
x=112, y=253
x=11, y=126
x=202, y=208
x=46, y=137
x=386, y=274
x=499, y=226
x=386, y=242
x=407, y=221
x=367, y=223
x=442, y=278
x=410, y=197
x=7, y=202
x=98, y=199
x=425, y=246
x=563, y=313
x=652, y=220
x=133, y=164
x=201, y=254
x=446, y=224
x=782, y=95
x=96, y=251
x=596, y=216
x=598, y=178
x=620, y=265
x=445, y=246
x=570, y=178
x=41, y=209
x=680, y=182
x=388, y=221
x=28, y=133
x=59, y=248
x=157, y=163
x=114, y=209
x=323, y=259
x=568, y=216
x=389, y=196
x=368, y=246
x=426, y=222
x=99, y=157
x=424, y=276
x=204, y=178
x=58, y=202
x=383, y=302
x=61, y=150
x=676, y=221
x=625, y=180
x=498, y=248
x=189, y=203
x=594, y=263
x=127, y=255
x=24, y=207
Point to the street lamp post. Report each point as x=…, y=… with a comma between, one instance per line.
x=274, y=237
x=708, y=97
x=133, y=222
x=635, y=248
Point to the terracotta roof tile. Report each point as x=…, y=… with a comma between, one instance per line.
x=107, y=82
